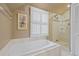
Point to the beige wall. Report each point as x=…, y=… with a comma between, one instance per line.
x=5, y=29
x=59, y=8
x=20, y=33
x=8, y=27
x=50, y=27
x=9, y=30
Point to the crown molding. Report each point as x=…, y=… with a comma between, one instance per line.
x=5, y=11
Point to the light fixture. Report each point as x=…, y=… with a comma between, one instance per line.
x=68, y=5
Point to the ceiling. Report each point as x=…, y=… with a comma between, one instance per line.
x=52, y=7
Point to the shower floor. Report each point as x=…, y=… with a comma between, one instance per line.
x=63, y=43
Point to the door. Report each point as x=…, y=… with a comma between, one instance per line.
x=75, y=29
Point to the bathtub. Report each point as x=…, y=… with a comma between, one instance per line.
x=31, y=47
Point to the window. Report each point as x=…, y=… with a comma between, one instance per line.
x=39, y=23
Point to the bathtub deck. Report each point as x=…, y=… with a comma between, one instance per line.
x=30, y=47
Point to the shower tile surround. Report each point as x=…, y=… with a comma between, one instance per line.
x=60, y=28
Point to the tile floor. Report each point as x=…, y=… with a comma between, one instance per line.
x=65, y=52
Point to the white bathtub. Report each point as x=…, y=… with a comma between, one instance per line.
x=30, y=46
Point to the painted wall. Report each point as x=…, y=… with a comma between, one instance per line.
x=5, y=28
x=8, y=27
x=20, y=33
